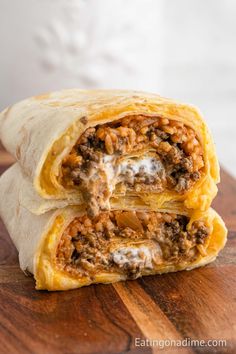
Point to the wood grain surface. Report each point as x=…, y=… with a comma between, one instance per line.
x=200, y=304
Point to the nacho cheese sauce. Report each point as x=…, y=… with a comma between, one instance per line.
x=136, y=153
x=129, y=243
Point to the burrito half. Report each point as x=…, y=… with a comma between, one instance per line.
x=66, y=248
x=89, y=146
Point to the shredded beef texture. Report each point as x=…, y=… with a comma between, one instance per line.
x=175, y=145
x=86, y=244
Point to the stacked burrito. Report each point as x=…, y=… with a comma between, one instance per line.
x=109, y=185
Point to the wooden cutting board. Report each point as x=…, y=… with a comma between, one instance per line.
x=200, y=304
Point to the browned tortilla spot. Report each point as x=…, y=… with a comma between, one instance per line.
x=84, y=120
x=43, y=96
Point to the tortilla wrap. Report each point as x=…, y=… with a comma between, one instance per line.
x=43, y=241
x=41, y=132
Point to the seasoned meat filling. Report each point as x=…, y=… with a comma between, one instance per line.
x=129, y=242
x=163, y=155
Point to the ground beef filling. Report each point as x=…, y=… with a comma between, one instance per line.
x=129, y=242
x=171, y=145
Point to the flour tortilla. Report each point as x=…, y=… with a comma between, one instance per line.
x=40, y=131
x=37, y=236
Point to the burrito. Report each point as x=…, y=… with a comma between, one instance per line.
x=66, y=248
x=99, y=146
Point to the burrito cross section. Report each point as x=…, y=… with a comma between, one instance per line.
x=108, y=185
x=136, y=153
x=129, y=243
